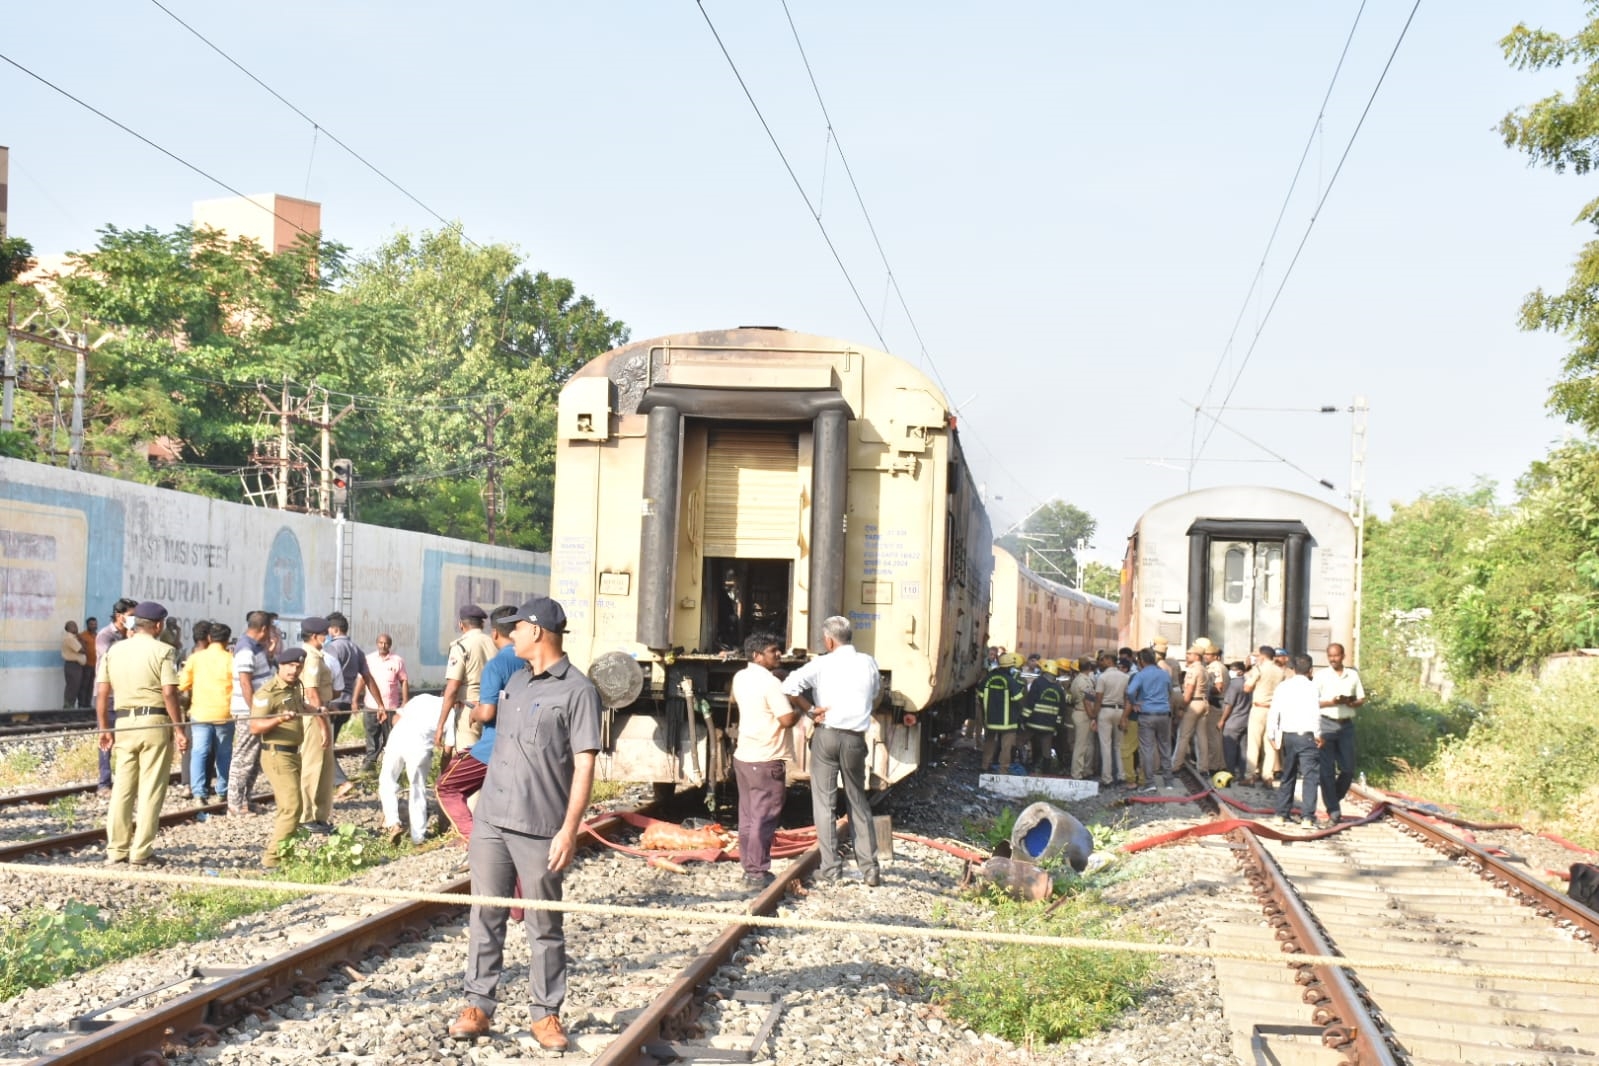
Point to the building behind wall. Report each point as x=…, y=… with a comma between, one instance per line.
x=273, y=221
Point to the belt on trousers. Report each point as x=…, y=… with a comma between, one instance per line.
x=851, y=732
x=281, y=747
x=142, y=710
x=1110, y=705
x=1338, y=718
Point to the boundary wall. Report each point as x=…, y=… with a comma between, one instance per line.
x=72, y=543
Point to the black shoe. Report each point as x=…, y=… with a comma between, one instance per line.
x=874, y=879
x=758, y=882
x=149, y=860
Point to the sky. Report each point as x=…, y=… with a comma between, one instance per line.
x=1077, y=200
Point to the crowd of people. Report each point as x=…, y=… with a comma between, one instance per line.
x=1130, y=717
x=151, y=694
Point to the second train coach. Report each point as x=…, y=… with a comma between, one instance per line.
x=1243, y=566
x=1031, y=613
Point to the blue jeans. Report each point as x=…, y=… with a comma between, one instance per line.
x=211, y=739
x=1337, y=761
x=1301, y=759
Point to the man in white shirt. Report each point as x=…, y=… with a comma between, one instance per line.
x=1339, y=691
x=843, y=687
x=1294, y=728
x=409, y=748
x=764, y=716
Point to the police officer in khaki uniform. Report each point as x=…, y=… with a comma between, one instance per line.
x=463, y=677
x=316, y=748
x=277, y=713
x=141, y=672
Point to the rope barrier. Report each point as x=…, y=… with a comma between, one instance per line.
x=725, y=918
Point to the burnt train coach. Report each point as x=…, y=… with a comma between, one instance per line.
x=1243, y=566
x=709, y=485
x=1031, y=613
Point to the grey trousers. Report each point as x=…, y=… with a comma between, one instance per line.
x=498, y=857
x=834, y=753
x=1154, y=745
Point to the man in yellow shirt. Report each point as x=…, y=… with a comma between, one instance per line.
x=207, y=676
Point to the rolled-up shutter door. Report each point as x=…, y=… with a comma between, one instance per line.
x=752, y=495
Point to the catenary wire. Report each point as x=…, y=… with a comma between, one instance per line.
x=1311, y=225
x=798, y=185
x=816, y=216
x=315, y=125
x=1282, y=212
x=871, y=227
x=125, y=128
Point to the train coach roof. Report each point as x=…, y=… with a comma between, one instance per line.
x=803, y=364
x=1056, y=587
x=1222, y=503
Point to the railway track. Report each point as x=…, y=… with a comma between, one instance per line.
x=196, y=1010
x=45, y=796
x=1400, y=888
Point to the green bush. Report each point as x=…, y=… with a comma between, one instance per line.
x=1531, y=754
x=1042, y=995
x=1404, y=732
x=314, y=859
x=43, y=943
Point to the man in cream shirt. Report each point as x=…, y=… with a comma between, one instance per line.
x=764, y=716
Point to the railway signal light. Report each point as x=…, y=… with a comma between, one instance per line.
x=343, y=481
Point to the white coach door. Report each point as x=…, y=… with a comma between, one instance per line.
x=1246, y=595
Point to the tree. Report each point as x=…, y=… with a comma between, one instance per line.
x=1563, y=133
x=483, y=338
x=1046, y=541
x=1416, y=567
x=16, y=255
x=1102, y=581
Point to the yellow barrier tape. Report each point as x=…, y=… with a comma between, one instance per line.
x=725, y=918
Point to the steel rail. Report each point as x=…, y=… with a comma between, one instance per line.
x=628, y=1049
x=1349, y=1020
x=86, y=837
x=1347, y=1023
x=194, y=1017
x=1562, y=906
x=48, y=795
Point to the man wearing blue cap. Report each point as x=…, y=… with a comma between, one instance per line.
x=528, y=814
x=141, y=672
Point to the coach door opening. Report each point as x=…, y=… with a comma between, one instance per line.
x=1246, y=603
x=1247, y=582
x=753, y=501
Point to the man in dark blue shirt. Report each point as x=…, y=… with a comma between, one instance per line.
x=1149, y=693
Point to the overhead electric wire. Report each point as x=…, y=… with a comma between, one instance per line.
x=1216, y=421
x=130, y=131
x=798, y=186
x=832, y=133
x=860, y=199
x=1316, y=214
x=1282, y=212
x=315, y=125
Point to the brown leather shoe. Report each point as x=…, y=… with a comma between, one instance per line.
x=549, y=1033
x=470, y=1024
